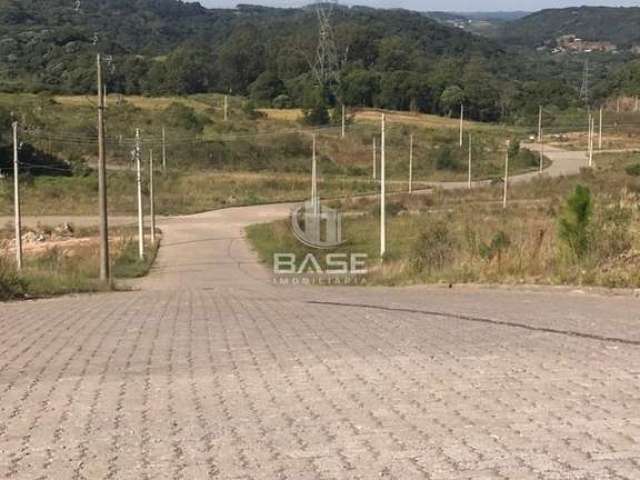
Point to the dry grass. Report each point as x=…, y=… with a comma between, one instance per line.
x=460, y=236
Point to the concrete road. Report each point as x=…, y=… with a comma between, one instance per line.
x=209, y=370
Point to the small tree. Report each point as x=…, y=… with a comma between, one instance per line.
x=574, y=220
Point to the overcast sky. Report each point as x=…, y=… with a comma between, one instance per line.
x=446, y=5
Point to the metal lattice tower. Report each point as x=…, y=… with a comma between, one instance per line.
x=584, y=90
x=327, y=65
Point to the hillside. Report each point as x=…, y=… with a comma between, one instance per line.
x=618, y=25
x=159, y=46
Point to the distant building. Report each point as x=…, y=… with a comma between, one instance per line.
x=571, y=43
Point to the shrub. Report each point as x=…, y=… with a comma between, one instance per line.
x=574, y=220
x=317, y=115
x=612, y=235
x=11, y=285
x=434, y=248
x=514, y=147
x=446, y=160
x=633, y=169
x=281, y=101
x=499, y=243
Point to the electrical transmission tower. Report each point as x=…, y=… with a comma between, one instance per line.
x=584, y=90
x=327, y=66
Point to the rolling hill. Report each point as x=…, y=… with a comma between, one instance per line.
x=614, y=24
x=51, y=44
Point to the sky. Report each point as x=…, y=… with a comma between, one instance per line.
x=444, y=5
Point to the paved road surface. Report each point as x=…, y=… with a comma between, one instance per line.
x=210, y=371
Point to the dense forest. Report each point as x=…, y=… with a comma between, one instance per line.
x=393, y=59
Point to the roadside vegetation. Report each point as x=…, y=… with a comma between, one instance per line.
x=583, y=230
x=70, y=265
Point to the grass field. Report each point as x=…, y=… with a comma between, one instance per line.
x=212, y=164
x=461, y=237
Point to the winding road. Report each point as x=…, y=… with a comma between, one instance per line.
x=206, y=369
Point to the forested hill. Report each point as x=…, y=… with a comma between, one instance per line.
x=615, y=24
x=167, y=45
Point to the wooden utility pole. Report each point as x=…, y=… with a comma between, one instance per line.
x=589, y=133
x=411, y=163
x=164, y=150
x=461, y=122
x=593, y=127
x=505, y=191
x=541, y=152
x=105, y=265
x=314, y=179
x=16, y=198
x=540, y=124
x=469, y=173
x=383, y=226
x=152, y=206
x=226, y=107
x=344, y=122
x=375, y=159
x=139, y=183
x=600, y=132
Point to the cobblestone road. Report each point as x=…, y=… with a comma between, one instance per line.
x=209, y=371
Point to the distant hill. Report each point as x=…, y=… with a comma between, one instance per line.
x=171, y=46
x=619, y=25
x=488, y=24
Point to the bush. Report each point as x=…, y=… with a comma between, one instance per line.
x=317, y=115
x=633, y=170
x=514, y=147
x=434, y=248
x=574, y=220
x=180, y=116
x=281, y=101
x=612, y=236
x=499, y=243
x=11, y=285
x=446, y=160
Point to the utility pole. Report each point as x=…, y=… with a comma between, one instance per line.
x=593, y=127
x=588, y=134
x=383, y=225
x=226, y=107
x=540, y=124
x=139, y=182
x=600, y=131
x=505, y=192
x=164, y=151
x=469, y=174
x=411, y=163
x=314, y=180
x=152, y=206
x=16, y=198
x=105, y=266
x=541, y=152
x=374, y=158
x=344, y=122
x=461, y=122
